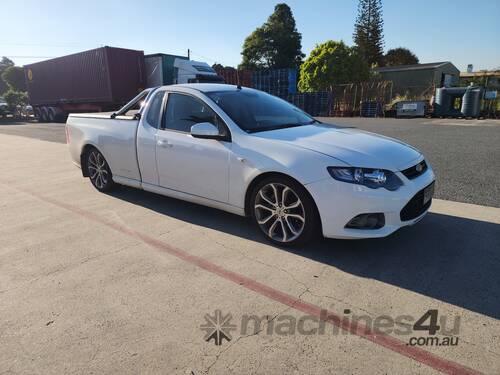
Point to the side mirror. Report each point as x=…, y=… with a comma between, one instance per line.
x=205, y=130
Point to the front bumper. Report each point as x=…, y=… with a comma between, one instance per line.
x=338, y=202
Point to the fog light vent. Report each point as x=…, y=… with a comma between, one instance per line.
x=367, y=221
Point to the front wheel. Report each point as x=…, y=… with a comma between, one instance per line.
x=99, y=171
x=284, y=211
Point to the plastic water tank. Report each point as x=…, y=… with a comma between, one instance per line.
x=471, y=102
x=442, y=102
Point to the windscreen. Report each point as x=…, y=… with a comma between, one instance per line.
x=255, y=111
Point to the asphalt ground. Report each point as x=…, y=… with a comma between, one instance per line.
x=465, y=154
x=125, y=283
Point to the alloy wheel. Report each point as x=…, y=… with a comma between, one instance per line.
x=98, y=169
x=279, y=212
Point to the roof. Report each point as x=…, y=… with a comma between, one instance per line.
x=207, y=87
x=483, y=73
x=401, y=68
x=165, y=54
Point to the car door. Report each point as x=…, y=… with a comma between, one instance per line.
x=191, y=165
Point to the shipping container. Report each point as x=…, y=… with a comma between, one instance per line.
x=95, y=80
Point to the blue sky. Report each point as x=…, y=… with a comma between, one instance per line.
x=459, y=31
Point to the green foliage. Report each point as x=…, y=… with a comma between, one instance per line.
x=400, y=56
x=217, y=66
x=368, y=31
x=13, y=76
x=276, y=44
x=14, y=98
x=4, y=64
x=332, y=63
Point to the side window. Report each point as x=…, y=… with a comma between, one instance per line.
x=184, y=111
x=154, y=110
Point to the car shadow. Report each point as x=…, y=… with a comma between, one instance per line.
x=451, y=259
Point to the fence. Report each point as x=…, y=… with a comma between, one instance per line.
x=367, y=99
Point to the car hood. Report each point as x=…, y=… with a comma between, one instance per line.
x=351, y=146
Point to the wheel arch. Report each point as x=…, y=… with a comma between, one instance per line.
x=262, y=176
x=83, y=160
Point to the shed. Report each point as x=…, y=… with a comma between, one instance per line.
x=418, y=79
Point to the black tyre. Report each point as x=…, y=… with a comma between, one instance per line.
x=284, y=211
x=51, y=114
x=98, y=171
x=43, y=115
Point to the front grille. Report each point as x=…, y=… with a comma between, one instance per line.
x=415, y=207
x=415, y=171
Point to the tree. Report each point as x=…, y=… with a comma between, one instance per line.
x=400, y=56
x=13, y=76
x=4, y=64
x=368, y=31
x=332, y=63
x=217, y=66
x=15, y=98
x=276, y=44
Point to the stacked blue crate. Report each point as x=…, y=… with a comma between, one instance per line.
x=317, y=103
x=314, y=103
x=278, y=82
x=371, y=109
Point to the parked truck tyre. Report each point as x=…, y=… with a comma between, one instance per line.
x=51, y=114
x=98, y=170
x=61, y=117
x=43, y=114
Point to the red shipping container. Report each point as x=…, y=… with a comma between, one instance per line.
x=104, y=76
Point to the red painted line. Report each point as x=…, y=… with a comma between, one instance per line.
x=358, y=329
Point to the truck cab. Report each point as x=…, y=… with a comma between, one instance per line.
x=190, y=71
x=164, y=69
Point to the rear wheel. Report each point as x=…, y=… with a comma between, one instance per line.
x=284, y=211
x=99, y=171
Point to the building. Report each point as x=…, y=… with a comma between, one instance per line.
x=490, y=79
x=419, y=80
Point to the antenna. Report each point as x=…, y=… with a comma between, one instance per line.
x=238, y=79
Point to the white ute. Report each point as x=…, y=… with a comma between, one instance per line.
x=250, y=153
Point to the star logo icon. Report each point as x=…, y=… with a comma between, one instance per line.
x=218, y=327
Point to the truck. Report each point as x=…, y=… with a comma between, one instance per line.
x=164, y=69
x=102, y=79
x=252, y=154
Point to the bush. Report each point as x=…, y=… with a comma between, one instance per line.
x=332, y=63
x=15, y=98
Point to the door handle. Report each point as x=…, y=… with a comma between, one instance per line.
x=164, y=143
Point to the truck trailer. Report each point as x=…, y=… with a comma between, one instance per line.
x=103, y=79
x=97, y=80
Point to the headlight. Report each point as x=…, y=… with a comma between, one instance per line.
x=372, y=178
